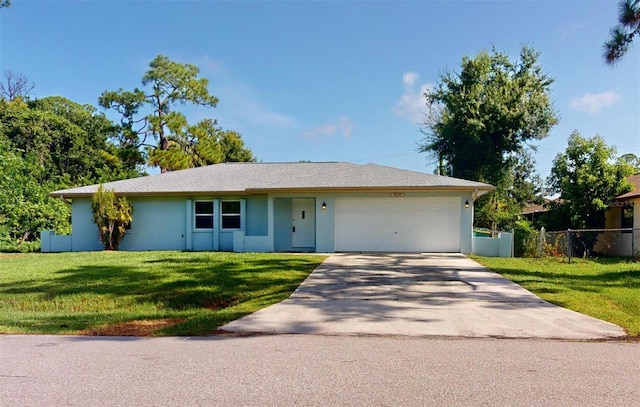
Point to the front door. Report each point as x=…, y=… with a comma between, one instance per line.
x=303, y=222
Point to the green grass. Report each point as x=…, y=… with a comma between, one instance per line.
x=605, y=288
x=106, y=292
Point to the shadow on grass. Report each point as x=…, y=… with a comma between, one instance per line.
x=201, y=290
x=628, y=277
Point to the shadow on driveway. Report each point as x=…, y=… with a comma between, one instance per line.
x=418, y=295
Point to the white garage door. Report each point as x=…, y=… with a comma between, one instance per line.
x=397, y=224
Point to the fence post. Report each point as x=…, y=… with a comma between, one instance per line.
x=513, y=243
x=569, y=245
x=540, y=241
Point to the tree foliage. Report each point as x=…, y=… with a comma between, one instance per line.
x=633, y=160
x=622, y=35
x=149, y=118
x=112, y=215
x=48, y=144
x=499, y=209
x=491, y=109
x=68, y=142
x=588, y=177
x=25, y=207
x=480, y=124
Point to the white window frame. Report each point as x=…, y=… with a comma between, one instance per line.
x=196, y=215
x=238, y=214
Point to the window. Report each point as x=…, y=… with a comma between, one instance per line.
x=230, y=211
x=204, y=215
x=627, y=217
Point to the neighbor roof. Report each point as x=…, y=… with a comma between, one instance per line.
x=635, y=192
x=247, y=178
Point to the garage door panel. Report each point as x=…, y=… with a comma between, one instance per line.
x=397, y=224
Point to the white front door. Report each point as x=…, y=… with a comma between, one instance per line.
x=303, y=222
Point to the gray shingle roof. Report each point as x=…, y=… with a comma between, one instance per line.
x=243, y=178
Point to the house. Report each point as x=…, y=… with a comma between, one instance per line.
x=623, y=213
x=302, y=206
x=533, y=211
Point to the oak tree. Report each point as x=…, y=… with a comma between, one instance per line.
x=481, y=123
x=490, y=109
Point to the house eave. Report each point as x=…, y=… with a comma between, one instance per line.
x=370, y=189
x=149, y=194
x=251, y=191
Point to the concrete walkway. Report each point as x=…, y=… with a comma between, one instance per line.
x=418, y=295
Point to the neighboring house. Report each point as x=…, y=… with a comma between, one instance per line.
x=267, y=207
x=533, y=211
x=623, y=213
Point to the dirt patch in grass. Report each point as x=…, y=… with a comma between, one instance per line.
x=133, y=328
x=215, y=304
x=11, y=255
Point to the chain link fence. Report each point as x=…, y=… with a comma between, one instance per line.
x=588, y=243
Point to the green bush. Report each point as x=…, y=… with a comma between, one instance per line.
x=24, y=247
x=526, y=239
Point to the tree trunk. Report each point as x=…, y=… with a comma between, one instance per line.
x=164, y=146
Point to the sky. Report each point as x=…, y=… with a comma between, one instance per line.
x=329, y=80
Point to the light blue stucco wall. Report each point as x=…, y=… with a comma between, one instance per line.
x=466, y=222
x=257, y=221
x=325, y=223
x=84, y=233
x=158, y=224
x=166, y=223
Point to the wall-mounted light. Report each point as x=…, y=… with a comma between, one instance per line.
x=324, y=206
x=466, y=204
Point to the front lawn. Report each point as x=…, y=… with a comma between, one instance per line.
x=141, y=293
x=605, y=288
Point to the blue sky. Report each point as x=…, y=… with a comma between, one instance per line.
x=328, y=81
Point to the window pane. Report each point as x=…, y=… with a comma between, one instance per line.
x=627, y=217
x=231, y=207
x=204, y=222
x=204, y=208
x=231, y=222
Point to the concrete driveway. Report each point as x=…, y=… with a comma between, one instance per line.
x=418, y=295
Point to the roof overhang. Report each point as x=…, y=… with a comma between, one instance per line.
x=147, y=194
x=478, y=191
x=366, y=189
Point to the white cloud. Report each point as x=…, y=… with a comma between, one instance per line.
x=412, y=103
x=325, y=131
x=345, y=127
x=592, y=103
x=409, y=79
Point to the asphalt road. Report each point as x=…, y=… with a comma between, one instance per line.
x=283, y=370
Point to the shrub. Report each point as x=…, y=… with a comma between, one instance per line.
x=526, y=239
x=112, y=216
x=24, y=247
